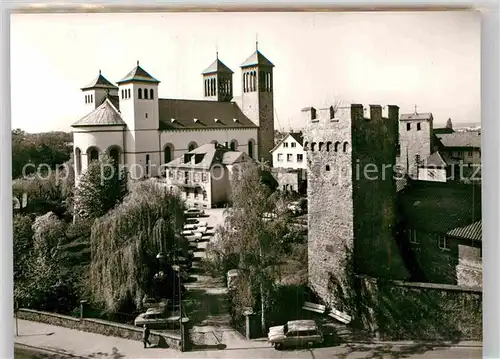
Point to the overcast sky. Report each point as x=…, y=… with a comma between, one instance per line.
x=431, y=60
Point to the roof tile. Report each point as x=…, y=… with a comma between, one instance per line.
x=257, y=59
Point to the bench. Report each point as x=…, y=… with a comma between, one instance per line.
x=312, y=307
x=340, y=316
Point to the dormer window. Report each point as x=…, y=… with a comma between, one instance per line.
x=195, y=120
x=216, y=119
x=235, y=120
x=172, y=120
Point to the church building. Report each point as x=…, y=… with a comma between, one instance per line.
x=142, y=132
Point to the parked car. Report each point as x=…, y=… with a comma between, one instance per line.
x=189, y=227
x=194, y=237
x=157, y=318
x=295, y=333
x=199, y=230
x=184, y=262
x=192, y=221
x=194, y=212
x=295, y=208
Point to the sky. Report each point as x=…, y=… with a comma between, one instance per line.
x=427, y=59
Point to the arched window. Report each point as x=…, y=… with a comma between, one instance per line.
x=92, y=154
x=312, y=146
x=320, y=146
x=337, y=144
x=140, y=94
x=128, y=93
x=305, y=145
x=233, y=145
x=114, y=153
x=345, y=146
x=91, y=98
x=250, y=148
x=151, y=94
x=204, y=193
x=147, y=165
x=78, y=160
x=328, y=146
x=192, y=146
x=145, y=94
x=168, y=152
x=123, y=95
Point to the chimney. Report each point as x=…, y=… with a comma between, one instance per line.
x=357, y=112
x=375, y=112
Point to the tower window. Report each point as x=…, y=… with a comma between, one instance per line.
x=345, y=146
x=151, y=94
x=128, y=93
x=139, y=95
x=147, y=165
x=145, y=94
x=146, y=115
x=327, y=167
x=408, y=126
x=418, y=127
x=250, y=148
x=313, y=113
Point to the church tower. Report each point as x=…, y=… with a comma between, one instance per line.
x=96, y=91
x=218, y=82
x=257, y=100
x=138, y=94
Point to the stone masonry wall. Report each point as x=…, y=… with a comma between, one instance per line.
x=414, y=142
x=349, y=213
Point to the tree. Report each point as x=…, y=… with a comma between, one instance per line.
x=252, y=230
x=449, y=125
x=102, y=186
x=125, y=242
x=22, y=233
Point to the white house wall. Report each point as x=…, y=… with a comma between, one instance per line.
x=294, y=151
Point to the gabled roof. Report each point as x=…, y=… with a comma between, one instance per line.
x=217, y=66
x=297, y=136
x=212, y=154
x=436, y=207
x=115, y=100
x=199, y=114
x=470, y=139
x=257, y=59
x=100, y=82
x=415, y=116
x=104, y=115
x=434, y=160
x=138, y=74
x=473, y=231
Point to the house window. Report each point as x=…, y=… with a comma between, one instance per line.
x=418, y=126
x=204, y=195
x=412, y=236
x=285, y=144
x=196, y=194
x=469, y=154
x=195, y=176
x=204, y=177
x=293, y=144
x=327, y=168
x=408, y=126
x=289, y=157
x=300, y=157
x=443, y=243
x=280, y=157
x=179, y=175
x=250, y=148
x=186, y=177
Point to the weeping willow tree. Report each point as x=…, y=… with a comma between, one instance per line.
x=125, y=242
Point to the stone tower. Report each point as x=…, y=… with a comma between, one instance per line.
x=257, y=101
x=138, y=92
x=351, y=196
x=218, y=82
x=96, y=91
x=415, y=137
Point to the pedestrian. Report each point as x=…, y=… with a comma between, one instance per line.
x=145, y=335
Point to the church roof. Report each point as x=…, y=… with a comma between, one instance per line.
x=138, y=74
x=104, y=115
x=217, y=66
x=100, y=82
x=257, y=59
x=198, y=114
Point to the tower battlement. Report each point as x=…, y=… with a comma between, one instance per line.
x=351, y=155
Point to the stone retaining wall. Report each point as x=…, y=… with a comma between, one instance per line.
x=164, y=339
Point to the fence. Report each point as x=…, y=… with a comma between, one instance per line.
x=172, y=340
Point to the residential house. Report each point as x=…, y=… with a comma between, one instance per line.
x=203, y=176
x=290, y=163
